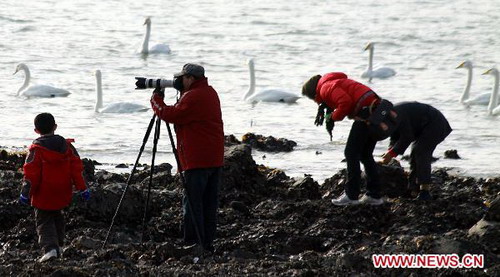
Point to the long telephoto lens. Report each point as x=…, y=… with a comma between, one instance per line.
x=144, y=83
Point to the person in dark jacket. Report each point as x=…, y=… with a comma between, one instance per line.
x=345, y=97
x=425, y=127
x=198, y=124
x=51, y=170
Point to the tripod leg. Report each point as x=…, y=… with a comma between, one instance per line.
x=183, y=181
x=144, y=140
x=156, y=136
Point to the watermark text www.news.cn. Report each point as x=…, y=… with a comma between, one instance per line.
x=427, y=261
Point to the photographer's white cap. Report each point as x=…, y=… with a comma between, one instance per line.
x=192, y=69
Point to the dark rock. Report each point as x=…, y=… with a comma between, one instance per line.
x=238, y=162
x=276, y=177
x=104, y=201
x=451, y=154
x=231, y=140
x=240, y=207
x=121, y=166
x=393, y=180
x=304, y=188
x=349, y=260
x=11, y=160
x=268, y=144
x=83, y=242
x=89, y=169
x=268, y=224
x=104, y=177
x=487, y=232
x=493, y=213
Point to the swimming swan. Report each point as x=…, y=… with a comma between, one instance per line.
x=481, y=99
x=493, y=108
x=268, y=95
x=37, y=90
x=157, y=48
x=121, y=107
x=382, y=72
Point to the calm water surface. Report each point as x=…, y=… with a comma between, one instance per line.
x=64, y=42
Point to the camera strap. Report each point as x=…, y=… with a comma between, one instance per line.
x=360, y=101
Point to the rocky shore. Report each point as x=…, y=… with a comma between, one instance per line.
x=269, y=224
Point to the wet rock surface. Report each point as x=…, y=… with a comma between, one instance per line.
x=451, y=154
x=268, y=144
x=269, y=224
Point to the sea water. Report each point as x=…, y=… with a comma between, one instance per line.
x=64, y=42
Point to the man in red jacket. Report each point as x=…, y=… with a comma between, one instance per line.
x=198, y=124
x=51, y=170
x=346, y=97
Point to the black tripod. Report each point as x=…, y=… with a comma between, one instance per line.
x=156, y=137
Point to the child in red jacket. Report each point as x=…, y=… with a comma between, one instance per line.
x=51, y=170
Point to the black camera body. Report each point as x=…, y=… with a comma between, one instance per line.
x=145, y=83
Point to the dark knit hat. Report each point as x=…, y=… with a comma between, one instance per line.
x=309, y=87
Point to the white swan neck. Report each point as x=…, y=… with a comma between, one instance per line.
x=494, y=95
x=251, y=89
x=466, y=93
x=145, y=42
x=27, y=77
x=98, y=103
x=370, y=59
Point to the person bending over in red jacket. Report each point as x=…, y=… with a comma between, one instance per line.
x=51, y=170
x=345, y=97
x=197, y=119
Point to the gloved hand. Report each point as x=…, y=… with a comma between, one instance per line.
x=387, y=157
x=160, y=92
x=157, y=103
x=24, y=200
x=330, y=123
x=85, y=194
x=320, y=116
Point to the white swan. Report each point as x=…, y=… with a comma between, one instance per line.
x=37, y=90
x=493, y=108
x=157, y=48
x=481, y=99
x=268, y=95
x=382, y=72
x=121, y=107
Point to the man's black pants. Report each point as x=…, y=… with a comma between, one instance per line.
x=202, y=185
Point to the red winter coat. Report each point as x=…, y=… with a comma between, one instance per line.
x=198, y=126
x=52, y=174
x=341, y=94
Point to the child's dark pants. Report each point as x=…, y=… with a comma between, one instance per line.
x=50, y=229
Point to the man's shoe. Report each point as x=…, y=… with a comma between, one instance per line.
x=424, y=195
x=366, y=199
x=48, y=256
x=344, y=200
